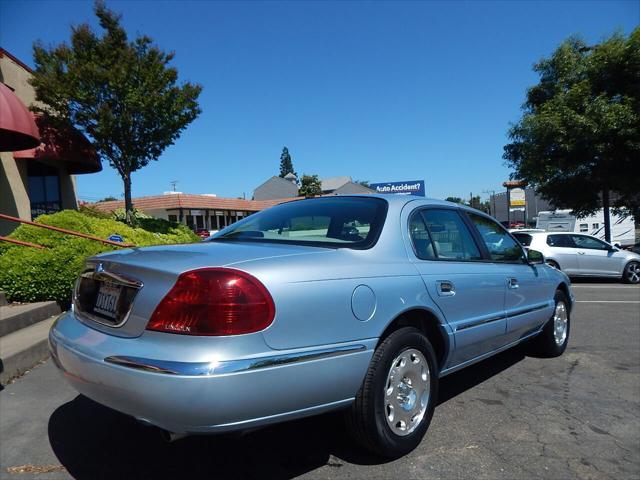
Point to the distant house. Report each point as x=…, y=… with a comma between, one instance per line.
x=331, y=184
x=276, y=188
x=351, y=188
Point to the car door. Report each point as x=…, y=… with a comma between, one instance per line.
x=560, y=248
x=596, y=257
x=468, y=291
x=529, y=297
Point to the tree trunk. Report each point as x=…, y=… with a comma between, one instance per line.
x=128, y=205
x=607, y=219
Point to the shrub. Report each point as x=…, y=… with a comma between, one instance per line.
x=29, y=274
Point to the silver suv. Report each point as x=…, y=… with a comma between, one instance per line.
x=580, y=255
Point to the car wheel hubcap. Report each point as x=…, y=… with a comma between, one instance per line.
x=633, y=273
x=407, y=390
x=560, y=322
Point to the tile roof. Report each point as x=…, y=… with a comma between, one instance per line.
x=186, y=200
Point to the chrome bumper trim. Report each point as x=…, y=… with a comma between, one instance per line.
x=196, y=369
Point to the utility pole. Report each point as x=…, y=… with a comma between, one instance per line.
x=173, y=184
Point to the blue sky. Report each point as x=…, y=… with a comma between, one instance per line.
x=381, y=91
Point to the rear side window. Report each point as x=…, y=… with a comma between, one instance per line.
x=523, y=238
x=501, y=246
x=447, y=236
x=421, y=239
x=562, y=241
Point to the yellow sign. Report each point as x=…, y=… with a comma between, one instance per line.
x=517, y=197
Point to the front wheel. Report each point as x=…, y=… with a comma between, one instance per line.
x=554, y=337
x=394, y=406
x=631, y=273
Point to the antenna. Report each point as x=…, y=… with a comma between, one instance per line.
x=173, y=184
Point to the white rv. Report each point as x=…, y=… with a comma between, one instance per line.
x=622, y=228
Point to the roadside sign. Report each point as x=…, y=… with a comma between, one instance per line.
x=407, y=187
x=116, y=238
x=517, y=197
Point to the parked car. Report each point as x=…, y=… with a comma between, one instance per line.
x=360, y=303
x=203, y=233
x=581, y=255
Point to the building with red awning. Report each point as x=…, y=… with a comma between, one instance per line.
x=39, y=161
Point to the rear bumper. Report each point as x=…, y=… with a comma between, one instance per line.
x=200, y=397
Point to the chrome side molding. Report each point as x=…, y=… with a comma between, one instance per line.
x=230, y=366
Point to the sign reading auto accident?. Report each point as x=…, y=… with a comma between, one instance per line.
x=408, y=187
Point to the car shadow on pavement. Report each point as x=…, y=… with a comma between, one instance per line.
x=95, y=442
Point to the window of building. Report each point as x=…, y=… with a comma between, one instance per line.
x=584, y=227
x=173, y=218
x=501, y=246
x=44, y=189
x=595, y=226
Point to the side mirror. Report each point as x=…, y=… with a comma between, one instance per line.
x=535, y=257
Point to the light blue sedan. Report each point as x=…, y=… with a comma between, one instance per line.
x=360, y=303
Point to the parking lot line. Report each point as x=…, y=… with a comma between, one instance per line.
x=607, y=301
x=573, y=285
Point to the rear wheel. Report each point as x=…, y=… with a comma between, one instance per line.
x=554, y=337
x=395, y=403
x=631, y=273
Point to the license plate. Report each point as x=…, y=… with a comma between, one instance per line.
x=107, y=300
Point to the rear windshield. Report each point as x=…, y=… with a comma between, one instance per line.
x=523, y=238
x=352, y=222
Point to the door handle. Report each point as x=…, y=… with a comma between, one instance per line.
x=513, y=283
x=446, y=288
x=580, y=253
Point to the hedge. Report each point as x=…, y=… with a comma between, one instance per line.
x=28, y=274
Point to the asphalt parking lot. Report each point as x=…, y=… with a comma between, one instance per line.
x=512, y=417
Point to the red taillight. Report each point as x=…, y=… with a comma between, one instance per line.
x=214, y=301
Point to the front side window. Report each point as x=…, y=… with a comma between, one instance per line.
x=502, y=248
x=450, y=237
x=582, y=241
x=353, y=222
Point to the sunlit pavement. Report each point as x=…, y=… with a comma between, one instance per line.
x=511, y=417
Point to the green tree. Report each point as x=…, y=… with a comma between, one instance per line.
x=122, y=94
x=578, y=140
x=286, y=165
x=364, y=183
x=310, y=186
x=454, y=199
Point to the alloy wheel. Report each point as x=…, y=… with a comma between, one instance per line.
x=633, y=272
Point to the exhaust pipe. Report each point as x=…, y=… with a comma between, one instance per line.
x=171, y=437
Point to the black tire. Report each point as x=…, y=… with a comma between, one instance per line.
x=553, y=264
x=367, y=418
x=545, y=344
x=631, y=273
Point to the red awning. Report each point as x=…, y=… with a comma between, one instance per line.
x=63, y=144
x=17, y=128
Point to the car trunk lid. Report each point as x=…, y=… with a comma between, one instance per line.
x=118, y=291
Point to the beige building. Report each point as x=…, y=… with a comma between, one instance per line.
x=39, y=180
